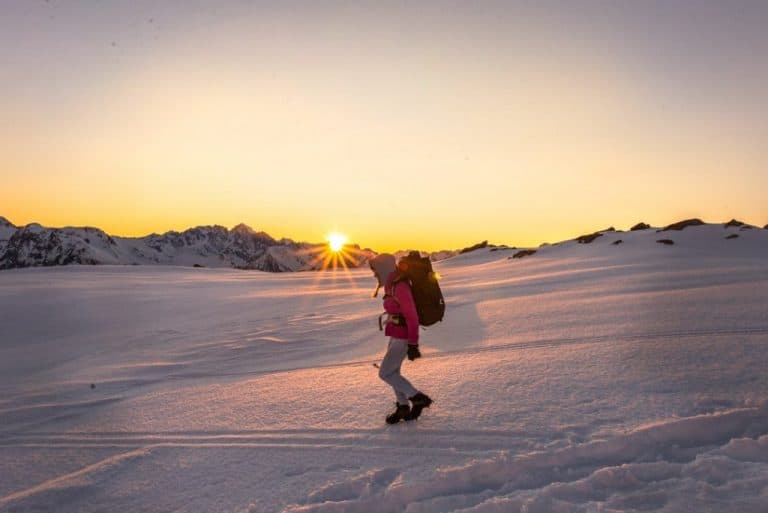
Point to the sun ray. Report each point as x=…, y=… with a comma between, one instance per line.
x=321, y=254
x=337, y=258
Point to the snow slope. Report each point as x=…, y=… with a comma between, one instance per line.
x=586, y=377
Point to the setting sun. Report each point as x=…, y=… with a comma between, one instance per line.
x=336, y=241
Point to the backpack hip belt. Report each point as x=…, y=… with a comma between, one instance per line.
x=396, y=319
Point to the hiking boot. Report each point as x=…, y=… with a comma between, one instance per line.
x=403, y=412
x=419, y=402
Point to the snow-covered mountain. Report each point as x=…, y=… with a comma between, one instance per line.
x=244, y=248
x=6, y=230
x=690, y=236
x=203, y=246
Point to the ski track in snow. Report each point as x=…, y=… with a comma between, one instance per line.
x=587, y=378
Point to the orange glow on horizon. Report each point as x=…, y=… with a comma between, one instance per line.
x=294, y=121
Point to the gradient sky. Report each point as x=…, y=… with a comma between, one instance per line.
x=402, y=124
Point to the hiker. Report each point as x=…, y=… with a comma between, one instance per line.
x=402, y=326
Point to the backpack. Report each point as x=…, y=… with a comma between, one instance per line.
x=417, y=271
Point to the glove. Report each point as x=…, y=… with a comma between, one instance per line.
x=413, y=352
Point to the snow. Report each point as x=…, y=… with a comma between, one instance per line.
x=584, y=378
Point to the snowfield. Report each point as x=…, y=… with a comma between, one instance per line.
x=585, y=378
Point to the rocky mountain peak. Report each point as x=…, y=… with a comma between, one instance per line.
x=242, y=228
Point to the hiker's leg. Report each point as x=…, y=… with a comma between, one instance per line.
x=390, y=370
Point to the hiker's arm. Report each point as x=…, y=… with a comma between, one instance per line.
x=408, y=310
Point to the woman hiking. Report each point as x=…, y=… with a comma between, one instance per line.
x=402, y=326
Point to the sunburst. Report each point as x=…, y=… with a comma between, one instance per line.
x=335, y=254
x=331, y=257
x=336, y=241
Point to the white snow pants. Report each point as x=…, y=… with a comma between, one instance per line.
x=390, y=370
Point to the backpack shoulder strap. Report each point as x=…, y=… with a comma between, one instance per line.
x=394, y=279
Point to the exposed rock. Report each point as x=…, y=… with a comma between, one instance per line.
x=587, y=239
x=523, y=253
x=682, y=224
x=435, y=256
x=668, y=242
x=441, y=255
x=617, y=242
x=268, y=263
x=640, y=226
x=733, y=236
x=7, y=229
x=479, y=245
x=733, y=223
x=33, y=245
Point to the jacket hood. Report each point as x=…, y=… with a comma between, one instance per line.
x=382, y=266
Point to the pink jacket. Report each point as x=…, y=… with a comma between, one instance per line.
x=400, y=301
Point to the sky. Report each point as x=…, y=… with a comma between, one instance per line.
x=430, y=125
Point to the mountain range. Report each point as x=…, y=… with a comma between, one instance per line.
x=203, y=246
x=241, y=247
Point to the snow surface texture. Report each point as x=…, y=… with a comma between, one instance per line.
x=585, y=378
